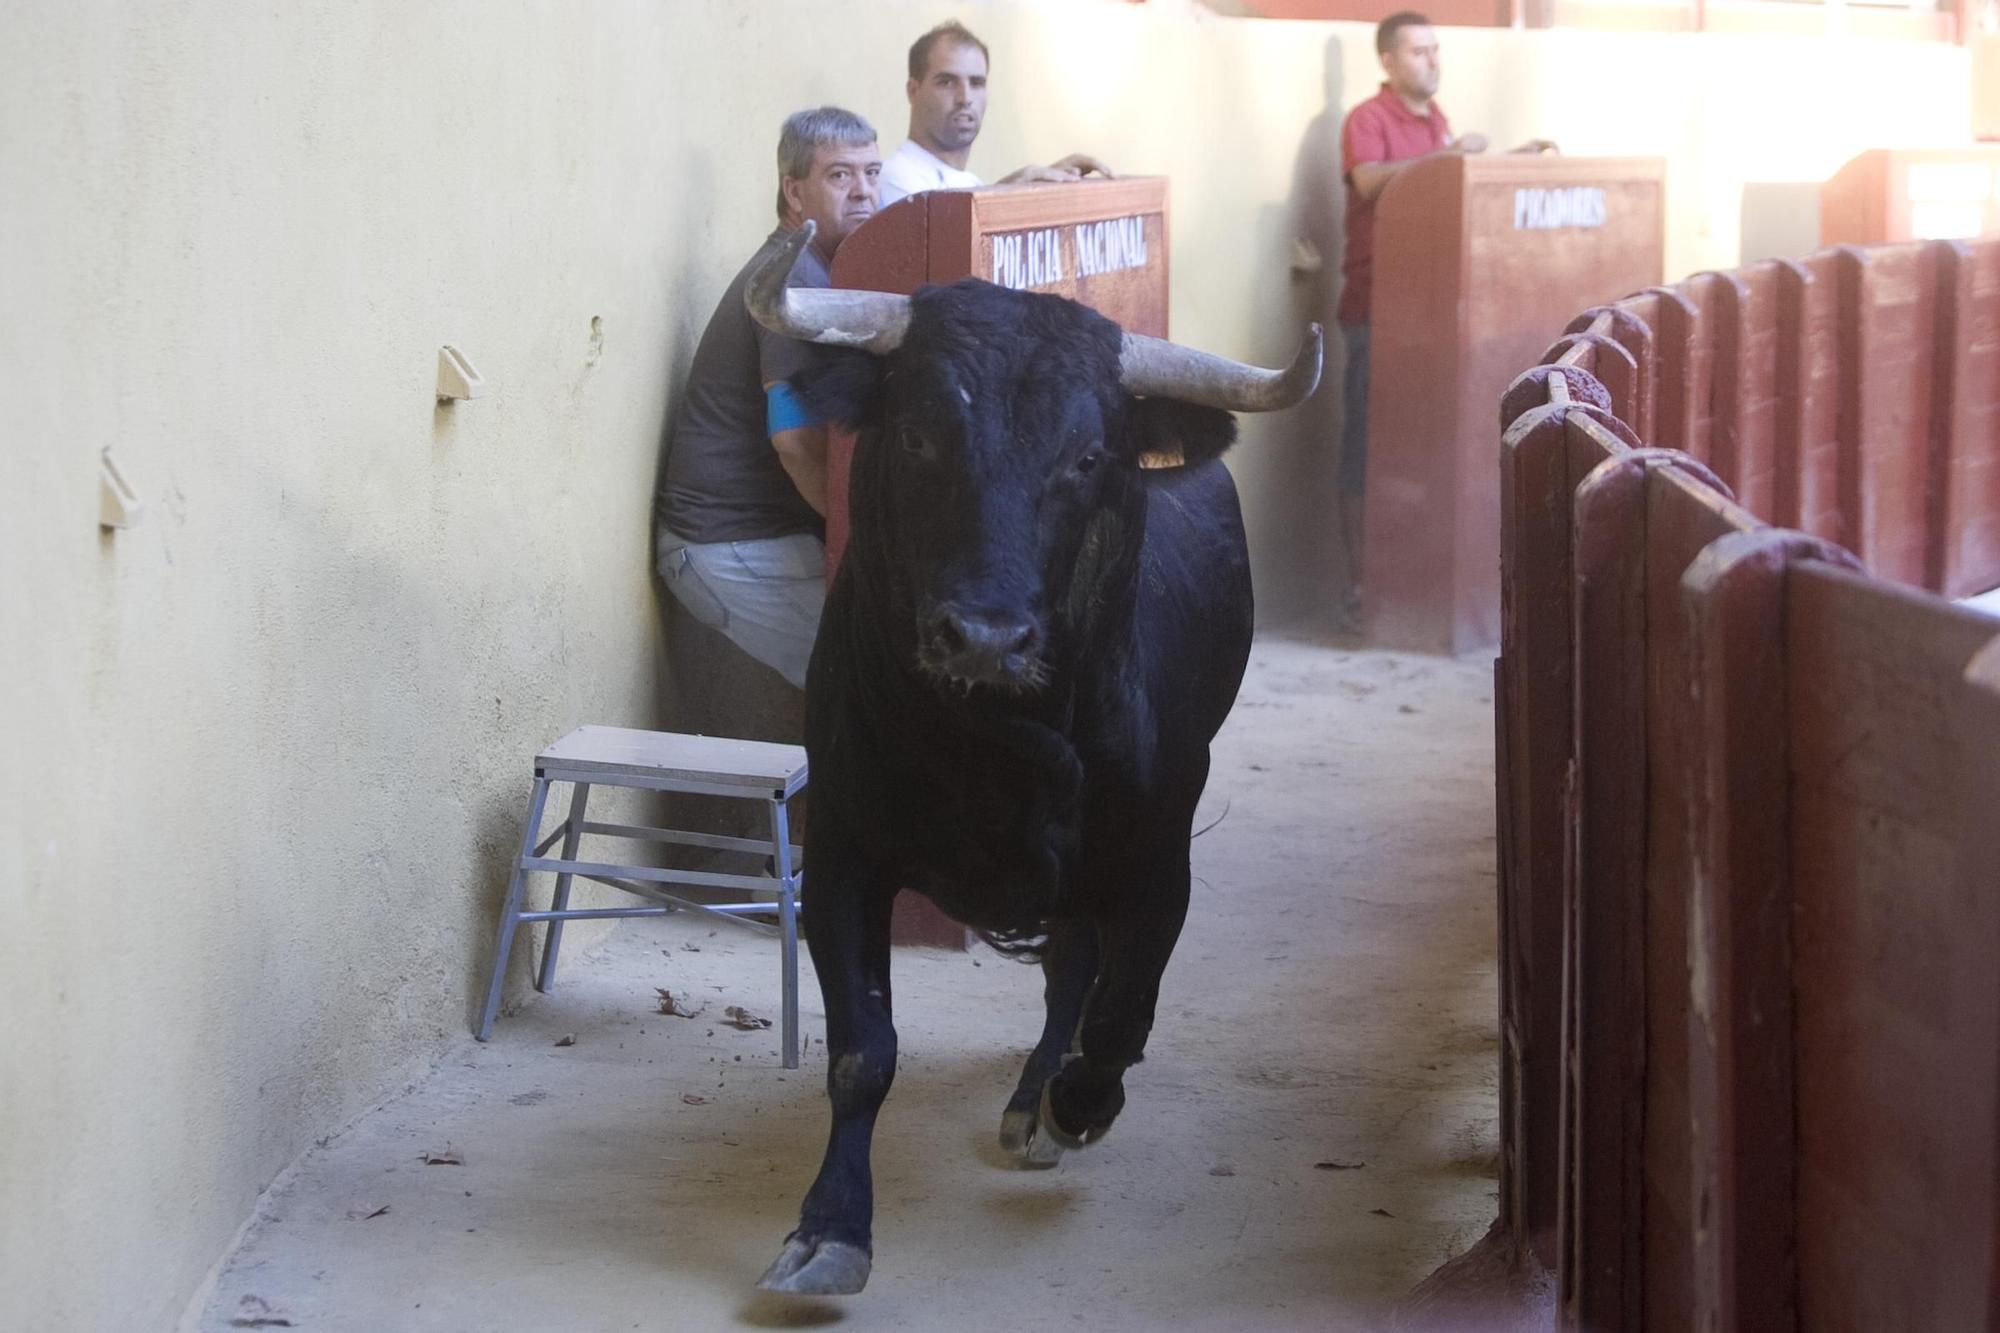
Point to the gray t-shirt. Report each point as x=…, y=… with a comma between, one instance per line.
x=722, y=481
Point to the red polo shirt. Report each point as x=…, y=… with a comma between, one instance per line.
x=1381, y=129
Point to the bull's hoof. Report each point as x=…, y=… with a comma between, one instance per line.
x=1021, y=1135
x=817, y=1268
x=1062, y=1137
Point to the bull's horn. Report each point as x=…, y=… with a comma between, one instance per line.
x=1168, y=370
x=872, y=321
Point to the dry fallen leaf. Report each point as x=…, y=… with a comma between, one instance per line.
x=676, y=1008
x=567, y=1039
x=739, y=1017
x=256, y=1312
x=445, y=1156
x=1338, y=1166
x=364, y=1212
x=694, y=1099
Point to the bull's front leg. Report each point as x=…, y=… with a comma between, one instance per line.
x=846, y=917
x=1079, y=1104
x=1069, y=966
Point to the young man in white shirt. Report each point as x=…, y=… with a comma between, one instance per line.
x=947, y=92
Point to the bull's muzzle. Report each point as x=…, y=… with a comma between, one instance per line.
x=983, y=648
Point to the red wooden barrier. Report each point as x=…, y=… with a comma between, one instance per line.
x=1967, y=502
x=1894, y=978
x=1640, y=519
x=1853, y=395
x=1741, y=1058
x=1750, y=858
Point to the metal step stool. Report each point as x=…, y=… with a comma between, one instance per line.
x=659, y=761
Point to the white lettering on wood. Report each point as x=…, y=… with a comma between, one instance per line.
x=1111, y=245
x=1554, y=210
x=1048, y=256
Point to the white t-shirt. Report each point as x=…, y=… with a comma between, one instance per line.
x=912, y=170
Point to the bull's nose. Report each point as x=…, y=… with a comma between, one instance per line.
x=983, y=646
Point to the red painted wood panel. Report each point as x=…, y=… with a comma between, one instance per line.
x=1535, y=483
x=1621, y=1040
x=1809, y=415
x=1747, y=822
x=1748, y=383
x=1674, y=344
x=1966, y=502
x=1894, y=976
x=1467, y=292
x=1711, y=337
x=1453, y=13
x=1887, y=473
x=1683, y=517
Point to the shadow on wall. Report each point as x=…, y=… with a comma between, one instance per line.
x=1780, y=220
x=382, y=645
x=706, y=685
x=709, y=686
x=1295, y=491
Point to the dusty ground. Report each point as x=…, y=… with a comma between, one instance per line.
x=1332, y=1002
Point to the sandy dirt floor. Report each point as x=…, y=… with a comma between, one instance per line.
x=1313, y=1131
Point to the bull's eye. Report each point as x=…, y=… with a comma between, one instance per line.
x=915, y=443
x=1088, y=461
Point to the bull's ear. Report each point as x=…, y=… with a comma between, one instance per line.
x=1163, y=432
x=841, y=385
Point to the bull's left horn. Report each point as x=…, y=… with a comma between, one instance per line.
x=1168, y=370
x=872, y=321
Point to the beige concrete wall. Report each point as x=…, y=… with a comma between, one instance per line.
x=266, y=750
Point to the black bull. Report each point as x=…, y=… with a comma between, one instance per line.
x=1040, y=624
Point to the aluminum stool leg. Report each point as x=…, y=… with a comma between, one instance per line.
x=788, y=929
x=510, y=914
x=552, y=941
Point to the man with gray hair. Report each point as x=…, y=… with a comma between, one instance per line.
x=740, y=515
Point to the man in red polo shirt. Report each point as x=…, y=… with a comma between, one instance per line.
x=1399, y=125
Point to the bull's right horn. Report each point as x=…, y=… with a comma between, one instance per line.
x=872, y=321
x=1156, y=367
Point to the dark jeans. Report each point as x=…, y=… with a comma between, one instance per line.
x=1353, y=473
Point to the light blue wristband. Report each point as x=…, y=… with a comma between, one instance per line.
x=785, y=410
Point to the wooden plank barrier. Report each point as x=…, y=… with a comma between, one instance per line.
x=1894, y=319
x=1641, y=518
x=1894, y=978
x=1807, y=495
x=1853, y=395
x=1968, y=378
x=1749, y=806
